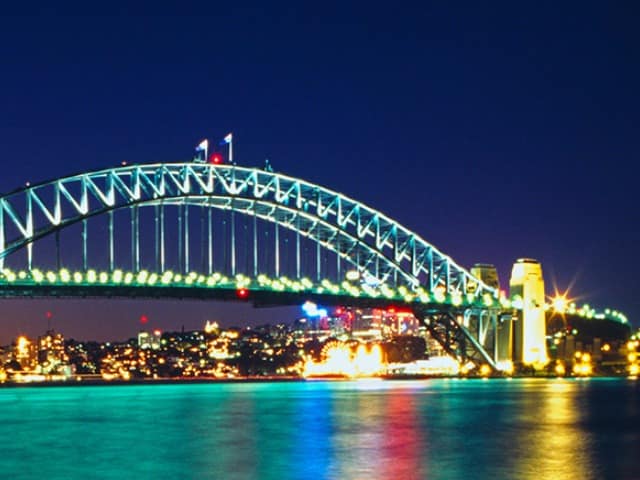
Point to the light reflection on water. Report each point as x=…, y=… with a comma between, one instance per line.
x=435, y=429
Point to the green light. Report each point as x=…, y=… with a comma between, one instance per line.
x=117, y=276
x=65, y=276
x=166, y=277
x=142, y=276
x=92, y=277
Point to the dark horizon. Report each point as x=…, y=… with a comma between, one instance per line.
x=494, y=133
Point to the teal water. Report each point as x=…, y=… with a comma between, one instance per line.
x=433, y=429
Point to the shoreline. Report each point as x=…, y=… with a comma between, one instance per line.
x=191, y=381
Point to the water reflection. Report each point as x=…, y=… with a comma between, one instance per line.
x=403, y=437
x=551, y=441
x=523, y=429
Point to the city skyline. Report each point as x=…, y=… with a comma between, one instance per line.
x=490, y=153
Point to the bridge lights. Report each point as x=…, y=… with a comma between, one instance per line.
x=352, y=275
x=242, y=293
x=65, y=276
x=37, y=275
x=142, y=276
x=92, y=276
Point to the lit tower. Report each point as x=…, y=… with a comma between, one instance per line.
x=527, y=286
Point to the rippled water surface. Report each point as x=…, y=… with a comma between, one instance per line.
x=433, y=429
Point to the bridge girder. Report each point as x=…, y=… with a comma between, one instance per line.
x=360, y=235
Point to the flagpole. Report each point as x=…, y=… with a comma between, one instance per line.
x=231, y=151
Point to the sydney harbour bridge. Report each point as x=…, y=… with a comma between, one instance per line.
x=221, y=231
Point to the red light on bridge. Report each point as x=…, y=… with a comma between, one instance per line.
x=242, y=293
x=215, y=158
x=49, y=315
x=143, y=319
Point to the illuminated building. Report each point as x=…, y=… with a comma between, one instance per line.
x=367, y=324
x=51, y=352
x=527, y=286
x=148, y=340
x=25, y=353
x=340, y=359
x=400, y=323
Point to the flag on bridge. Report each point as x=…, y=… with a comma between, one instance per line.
x=228, y=139
x=203, y=146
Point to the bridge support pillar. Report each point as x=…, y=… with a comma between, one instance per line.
x=527, y=284
x=455, y=334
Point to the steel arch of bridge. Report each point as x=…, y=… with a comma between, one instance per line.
x=360, y=235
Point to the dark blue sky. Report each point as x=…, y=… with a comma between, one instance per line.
x=495, y=132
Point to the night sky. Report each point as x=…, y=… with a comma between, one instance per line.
x=494, y=132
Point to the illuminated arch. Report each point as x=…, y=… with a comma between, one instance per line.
x=364, y=237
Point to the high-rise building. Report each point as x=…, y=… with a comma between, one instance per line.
x=527, y=290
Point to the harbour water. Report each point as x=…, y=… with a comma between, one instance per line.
x=431, y=429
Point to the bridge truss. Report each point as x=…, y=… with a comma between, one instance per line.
x=174, y=228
